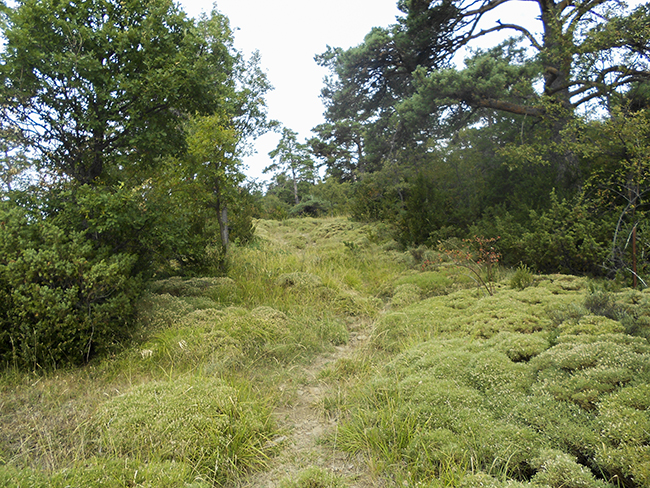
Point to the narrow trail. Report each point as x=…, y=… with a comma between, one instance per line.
x=306, y=426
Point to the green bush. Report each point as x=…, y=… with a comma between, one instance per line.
x=273, y=208
x=522, y=278
x=313, y=207
x=336, y=193
x=63, y=298
x=565, y=239
x=73, y=261
x=602, y=303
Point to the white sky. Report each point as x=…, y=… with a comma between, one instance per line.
x=289, y=33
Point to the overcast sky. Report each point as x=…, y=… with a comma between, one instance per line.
x=288, y=33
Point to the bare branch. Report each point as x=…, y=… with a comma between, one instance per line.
x=516, y=27
x=579, y=12
x=513, y=108
x=490, y=5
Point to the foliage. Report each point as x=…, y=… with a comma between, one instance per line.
x=312, y=207
x=375, y=197
x=619, y=148
x=100, y=90
x=135, y=119
x=64, y=298
x=13, y=162
x=568, y=237
x=273, y=207
x=337, y=195
x=400, y=85
x=74, y=261
x=522, y=278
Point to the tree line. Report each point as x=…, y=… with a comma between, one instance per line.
x=540, y=140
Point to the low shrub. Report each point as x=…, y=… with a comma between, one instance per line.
x=559, y=470
x=313, y=207
x=522, y=278
x=602, y=303
x=517, y=408
x=63, y=298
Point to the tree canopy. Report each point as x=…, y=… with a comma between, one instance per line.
x=403, y=85
x=104, y=85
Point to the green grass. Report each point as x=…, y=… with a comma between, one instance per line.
x=544, y=384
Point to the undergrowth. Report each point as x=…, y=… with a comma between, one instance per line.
x=534, y=386
x=542, y=383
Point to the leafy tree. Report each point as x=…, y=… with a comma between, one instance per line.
x=127, y=106
x=102, y=87
x=13, y=161
x=293, y=158
x=217, y=143
x=212, y=141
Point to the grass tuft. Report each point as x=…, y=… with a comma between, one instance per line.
x=200, y=422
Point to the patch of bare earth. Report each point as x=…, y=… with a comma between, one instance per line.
x=307, y=426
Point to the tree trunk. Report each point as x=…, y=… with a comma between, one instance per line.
x=295, y=184
x=557, y=59
x=222, y=216
x=223, y=227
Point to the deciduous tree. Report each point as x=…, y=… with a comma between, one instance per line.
x=101, y=87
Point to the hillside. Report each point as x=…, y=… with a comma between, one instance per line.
x=328, y=357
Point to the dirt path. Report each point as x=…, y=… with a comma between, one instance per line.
x=306, y=425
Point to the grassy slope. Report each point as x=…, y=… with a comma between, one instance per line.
x=545, y=386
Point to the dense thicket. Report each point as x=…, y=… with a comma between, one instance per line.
x=540, y=139
x=123, y=126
